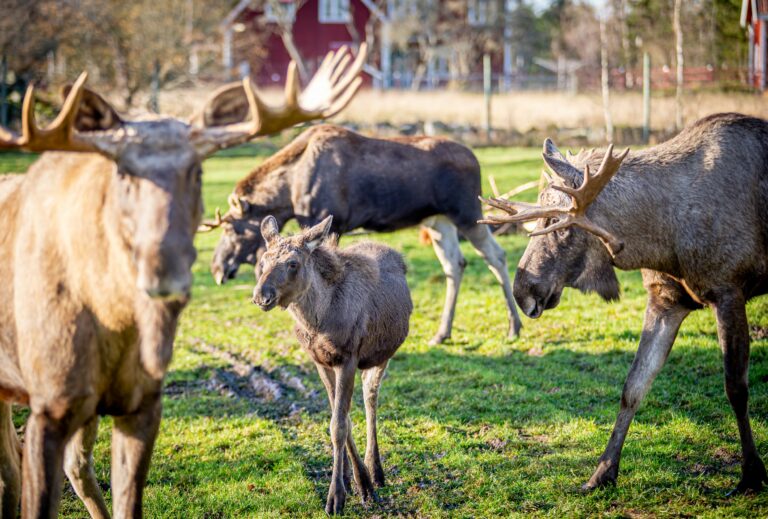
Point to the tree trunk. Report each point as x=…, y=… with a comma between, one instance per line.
x=287, y=35
x=122, y=73
x=680, y=63
x=604, y=81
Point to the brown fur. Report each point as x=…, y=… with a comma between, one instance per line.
x=351, y=308
x=95, y=267
x=693, y=214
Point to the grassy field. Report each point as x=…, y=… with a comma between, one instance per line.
x=477, y=427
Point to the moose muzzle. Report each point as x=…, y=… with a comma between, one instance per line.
x=265, y=296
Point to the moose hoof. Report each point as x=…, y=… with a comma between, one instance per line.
x=378, y=475
x=514, y=332
x=439, y=338
x=605, y=475
x=334, y=505
x=365, y=487
x=752, y=479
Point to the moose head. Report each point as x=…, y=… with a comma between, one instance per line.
x=567, y=248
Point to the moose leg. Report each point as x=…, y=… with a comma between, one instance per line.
x=329, y=381
x=496, y=259
x=445, y=241
x=133, y=437
x=352, y=463
x=371, y=384
x=733, y=332
x=340, y=431
x=10, y=463
x=663, y=316
x=78, y=465
x=44, y=442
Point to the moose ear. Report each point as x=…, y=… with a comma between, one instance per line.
x=559, y=165
x=269, y=230
x=228, y=105
x=314, y=236
x=95, y=114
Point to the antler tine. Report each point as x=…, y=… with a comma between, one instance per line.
x=592, y=185
x=8, y=139
x=208, y=226
x=521, y=211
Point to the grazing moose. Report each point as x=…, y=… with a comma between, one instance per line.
x=96, y=251
x=351, y=308
x=377, y=184
x=691, y=213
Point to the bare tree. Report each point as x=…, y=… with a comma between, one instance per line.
x=604, y=85
x=680, y=64
x=284, y=16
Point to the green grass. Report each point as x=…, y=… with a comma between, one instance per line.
x=477, y=427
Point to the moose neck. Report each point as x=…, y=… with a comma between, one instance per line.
x=637, y=207
x=313, y=306
x=105, y=280
x=268, y=193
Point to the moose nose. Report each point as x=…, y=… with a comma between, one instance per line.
x=264, y=296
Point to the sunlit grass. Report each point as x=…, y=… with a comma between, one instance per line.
x=477, y=427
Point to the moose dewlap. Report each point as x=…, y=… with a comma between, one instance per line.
x=351, y=308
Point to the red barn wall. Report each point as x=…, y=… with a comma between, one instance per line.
x=312, y=38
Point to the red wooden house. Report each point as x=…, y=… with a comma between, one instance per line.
x=259, y=33
x=254, y=42
x=754, y=15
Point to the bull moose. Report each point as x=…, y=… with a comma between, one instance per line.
x=351, y=308
x=376, y=184
x=691, y=213
x=95, y=256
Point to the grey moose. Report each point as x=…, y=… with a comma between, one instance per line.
x=351, y=307
x=691, y=213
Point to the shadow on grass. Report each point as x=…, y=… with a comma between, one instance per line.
x=468, y=396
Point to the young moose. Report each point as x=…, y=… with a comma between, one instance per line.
x=351, y=308
x=691, y=213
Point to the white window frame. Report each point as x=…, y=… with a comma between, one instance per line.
x=334, y=11
x=478, y=12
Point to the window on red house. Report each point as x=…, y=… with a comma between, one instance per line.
x=334, y=11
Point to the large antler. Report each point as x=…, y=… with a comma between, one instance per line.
x=575, y=213
x=327, y=93
x=60, y=135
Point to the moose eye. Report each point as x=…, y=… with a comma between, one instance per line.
x=293, y=265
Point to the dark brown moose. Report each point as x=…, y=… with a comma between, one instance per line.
x=376, y=184
x=351, y=308
x=95, y=257
x=691, y=213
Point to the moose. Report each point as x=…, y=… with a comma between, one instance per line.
x=691, y=213
x=351, y=308
x=376, y=184
x=96, y=250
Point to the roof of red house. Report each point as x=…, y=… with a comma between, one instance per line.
x=750, y=8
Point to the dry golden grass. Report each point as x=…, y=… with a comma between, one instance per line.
x=521, y=111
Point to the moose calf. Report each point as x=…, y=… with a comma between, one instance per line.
x=351, y=308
